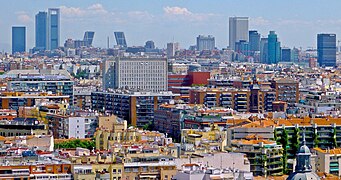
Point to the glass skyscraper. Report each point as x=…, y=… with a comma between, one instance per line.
x=326, y=49
x=41, y=31
x=264, y=50
x=243, y=47
x=286, y=55
x=238, y=30
x=18, y=39
x=120, y=39
x=89, y=37
x=53, y=28
x=254, y=41
x=274, y=48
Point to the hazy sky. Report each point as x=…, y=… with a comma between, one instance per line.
x=296, y=21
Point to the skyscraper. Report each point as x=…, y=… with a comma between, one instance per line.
x=88, y=38
x=120, y=39
x=326, y=49
x=205, y=42
x=18, y=39
x=238, y=30
x=274, y=48
x=53, y=28
x=171, y=49
x=264, y=50
x=286, y=55
x=243, y=47
x=254, y=40
x=41, y=31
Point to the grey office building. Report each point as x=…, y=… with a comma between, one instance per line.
x=41, y=31
x=18, y=39
x=148, y=74
x=53, y=28
x=326, y=50
x=205, y=42
x=238, y=30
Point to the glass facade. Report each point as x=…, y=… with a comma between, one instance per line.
x=41, y=30
x=326, y=49
x=18, y=39
x=120, y=39
x=88, y=38
x=274, y=48
x=53, y=28
x=254, y=38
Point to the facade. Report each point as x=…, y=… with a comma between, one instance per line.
x=326, y=49
x=274, y=48
x=88, y=38
x=41, y=31
x=147, y=74
x=150, y=45
x=254, y=40
x=120, y=39
x=287, y=90
x=55, y=81
x=264, y=52
x=238, y=30
x=135, y=107
x=328, y=161
x=171, y=49
x=286, y=55
x=205, y=42
x=53, y=28
x=265, y=156
x=18, y=39
x=243, y=47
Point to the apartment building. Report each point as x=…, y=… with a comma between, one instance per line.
x=148, y=74
x=135, y=107
x=328, y=161
x=54, y=81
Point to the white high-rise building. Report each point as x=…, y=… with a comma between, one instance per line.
x=147, y=74
x=205, y=42
x=238, y=30
x=171, y=49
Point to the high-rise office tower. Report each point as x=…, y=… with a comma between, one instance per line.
x=254, y=40
x=326, y=49
x=238, y=30
x=120, y=39
x=171, y=49
x=243, y=47
x=205, y=42
x=41, y=31
x=88, y=38
x=286, y=55
x=264, y=50
x=53, y=28
x=18, y=39
x=274, y=48
x=149, y=45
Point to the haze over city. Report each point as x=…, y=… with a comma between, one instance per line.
x=296, y=22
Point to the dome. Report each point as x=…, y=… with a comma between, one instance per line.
x=304, y=150
x=303, y=176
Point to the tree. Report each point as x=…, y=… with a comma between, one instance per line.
x=315, y=139
x=295, y=141
x=333, y=140
x=149, y=126
x=284, y=141
x=88, y=144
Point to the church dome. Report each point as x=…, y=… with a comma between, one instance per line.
x=304, y=150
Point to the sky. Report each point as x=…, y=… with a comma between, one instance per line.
x=295, y=21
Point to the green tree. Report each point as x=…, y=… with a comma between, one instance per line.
x=333, y=138
x=284, y=142
x=315, y=139
x=295, y=141
x=88, y=144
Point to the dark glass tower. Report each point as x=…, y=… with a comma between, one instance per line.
x=18, y=39
x=120, y=39
x=286, y=55
x=53, y=28
x=326, y=49
x=88, y=38
x=254, y=41
x=274, y=48
x=41, y=31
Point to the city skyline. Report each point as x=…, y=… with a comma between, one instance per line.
x=161, y=21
